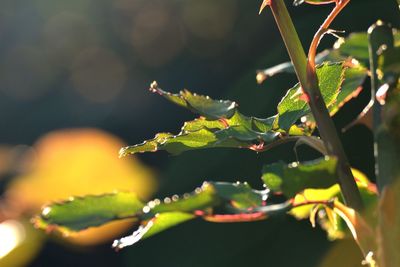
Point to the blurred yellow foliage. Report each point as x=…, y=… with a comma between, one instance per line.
x=78, y=162
x=342, y=253
x=20, y=242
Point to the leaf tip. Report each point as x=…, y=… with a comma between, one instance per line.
x=154, y=87
x=130, y=240
x=123, y=152
x=260, y=77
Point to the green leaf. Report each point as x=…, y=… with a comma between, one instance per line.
x=159, y=223
x=213, y=201
x=233, y=137
x=292, y=107
x=238, y=131
x=294, y=178
x=203, y=105
x=354, y=46
x=335, y=227
x=236, y=196
x=354, y=77
x=351, y=88
x=79, y=213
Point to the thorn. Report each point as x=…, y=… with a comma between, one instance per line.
x=263, y=5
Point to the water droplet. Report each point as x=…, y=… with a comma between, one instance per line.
x=293, y=165
x=157, y=201
x=167, y=200
x=146, y=209
x=46, y=211
x=175, y=198
x=151, y=204
x=205, y=184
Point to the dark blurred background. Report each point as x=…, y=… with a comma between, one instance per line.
x=73, y=83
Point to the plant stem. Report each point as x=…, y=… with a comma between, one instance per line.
x=309, y=82
x=385, y=153
x=322, y=30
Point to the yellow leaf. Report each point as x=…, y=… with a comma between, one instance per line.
x=79, y=162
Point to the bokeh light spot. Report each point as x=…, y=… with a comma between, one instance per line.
x=12, y=234
x=157, y=35
x=98, y=75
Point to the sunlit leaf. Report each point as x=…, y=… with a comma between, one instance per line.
x=351, y=87
x=213, y=201
x=235, y=137
x=354, y=77
x=212, y=194
x=228, y=130
x=80, y=213
x=159, y=223
x=362, y=231
x=294, y=178
x=203, y=105
x=292, y=107
x=336, y=229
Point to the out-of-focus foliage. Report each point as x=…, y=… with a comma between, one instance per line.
x=20, y=242
x=75, y=163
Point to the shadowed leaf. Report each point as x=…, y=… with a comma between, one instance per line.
x=294, y=178
x=355, y=46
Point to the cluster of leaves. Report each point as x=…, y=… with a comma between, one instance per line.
x=308, y=188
